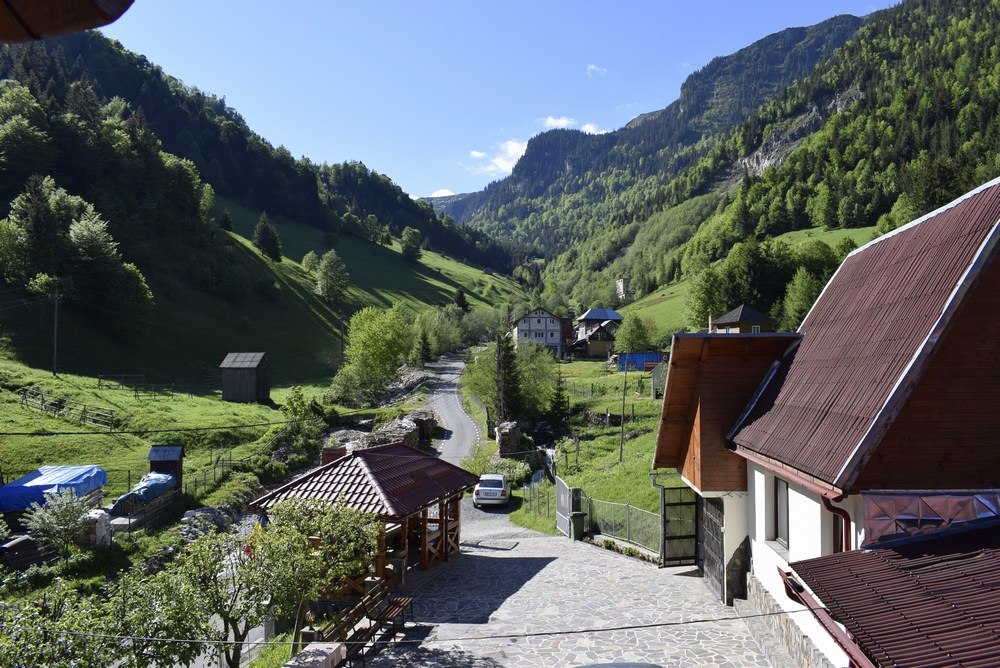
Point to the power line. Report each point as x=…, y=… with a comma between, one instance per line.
x=144, y=431
x=498, y=636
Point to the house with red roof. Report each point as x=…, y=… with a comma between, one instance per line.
x=867, y=439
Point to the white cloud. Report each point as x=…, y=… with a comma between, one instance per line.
x=686, y=65
x=592, y=129
x=500, y=163
x=562, y=122
x=595, y=71
x=443, y=192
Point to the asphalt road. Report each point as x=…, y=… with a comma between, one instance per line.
x=460, y=432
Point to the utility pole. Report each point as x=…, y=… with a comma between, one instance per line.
x=55, y=327
x=621, y=439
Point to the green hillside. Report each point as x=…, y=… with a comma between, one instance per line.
x=665, y=306
x=189, y=331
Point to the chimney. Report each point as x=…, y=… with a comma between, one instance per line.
x=332, y=454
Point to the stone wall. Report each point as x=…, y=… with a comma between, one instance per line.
x=508, y=438
x=796, y=644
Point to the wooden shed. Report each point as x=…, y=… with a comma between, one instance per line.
x=168, y=459
x=246, y=377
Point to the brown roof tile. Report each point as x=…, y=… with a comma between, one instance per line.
x=391, y=481
x=930, y=602
x=867, y=340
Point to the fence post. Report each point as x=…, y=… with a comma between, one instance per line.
x=628, y=522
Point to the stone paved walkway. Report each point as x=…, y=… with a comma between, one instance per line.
x=509, y=582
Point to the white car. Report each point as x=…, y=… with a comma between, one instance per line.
x=492, y=489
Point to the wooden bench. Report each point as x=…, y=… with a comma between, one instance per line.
x=377, y=611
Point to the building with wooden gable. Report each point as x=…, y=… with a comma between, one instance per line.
x=741, y=320
x=246, y=378
x=595, y=333
x=876, y=426
x=415, y=495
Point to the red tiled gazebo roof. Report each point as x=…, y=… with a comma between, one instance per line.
x=391, y=481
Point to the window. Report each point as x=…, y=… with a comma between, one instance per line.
x=551, y=334
x=729, y=330
x=538, y=321
x=524, y=334
x=755, y=329
x=781, y=511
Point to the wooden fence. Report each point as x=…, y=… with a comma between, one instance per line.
x=95, y=416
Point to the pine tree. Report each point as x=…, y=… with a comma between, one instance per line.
x=265, y=238
x=226, y=220
x=460, y=300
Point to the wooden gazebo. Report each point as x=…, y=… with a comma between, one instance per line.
x=416, y=496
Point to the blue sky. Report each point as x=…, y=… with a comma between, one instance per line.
x=443, y=96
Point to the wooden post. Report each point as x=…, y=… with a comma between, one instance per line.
x=443, y=514
x=380, y=555
x=424, y=547
x=458, y=521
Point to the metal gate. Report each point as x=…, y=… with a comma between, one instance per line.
x=680, y=526
x=564, y=507
x=714, y=563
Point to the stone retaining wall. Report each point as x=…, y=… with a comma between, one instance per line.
x=796, y=644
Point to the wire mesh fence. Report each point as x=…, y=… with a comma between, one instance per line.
x=624, y=522
x=539, y=498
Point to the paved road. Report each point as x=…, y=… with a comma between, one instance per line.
x=515, y=597
x=461, y=433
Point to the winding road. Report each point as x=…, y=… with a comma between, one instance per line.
x=460, y=432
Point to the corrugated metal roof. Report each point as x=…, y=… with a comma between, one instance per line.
x=165, y=453
x=601, y=314
x=930, y=602
x=742, y=313
x=242, y=361
x=392, y=481
x=867, y=338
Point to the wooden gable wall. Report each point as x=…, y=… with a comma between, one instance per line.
x=947, y=436
x=711, y=380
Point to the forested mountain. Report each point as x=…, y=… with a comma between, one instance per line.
x=569, y=185
x=227, y=154
x=899, y=120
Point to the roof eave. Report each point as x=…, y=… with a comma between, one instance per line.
x=793, y=475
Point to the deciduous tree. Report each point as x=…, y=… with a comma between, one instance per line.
x=411, y=242
x=332, y=278
x=59, y=521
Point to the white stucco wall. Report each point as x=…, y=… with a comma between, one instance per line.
x=809, y=534
x=735, y=509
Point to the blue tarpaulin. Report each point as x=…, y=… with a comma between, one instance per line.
x=151, y=486
x=21, y=493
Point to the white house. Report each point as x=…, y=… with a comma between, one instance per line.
x=876, y=426
x=541, y=328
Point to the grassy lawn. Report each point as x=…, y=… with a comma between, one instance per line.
x=860, y=235
x=665, y=307
x=591, y=459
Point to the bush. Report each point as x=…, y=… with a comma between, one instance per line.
x=479, y=462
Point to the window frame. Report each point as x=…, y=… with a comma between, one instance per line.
x=781, y=529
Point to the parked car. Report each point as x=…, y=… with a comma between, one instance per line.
x=492, y=489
